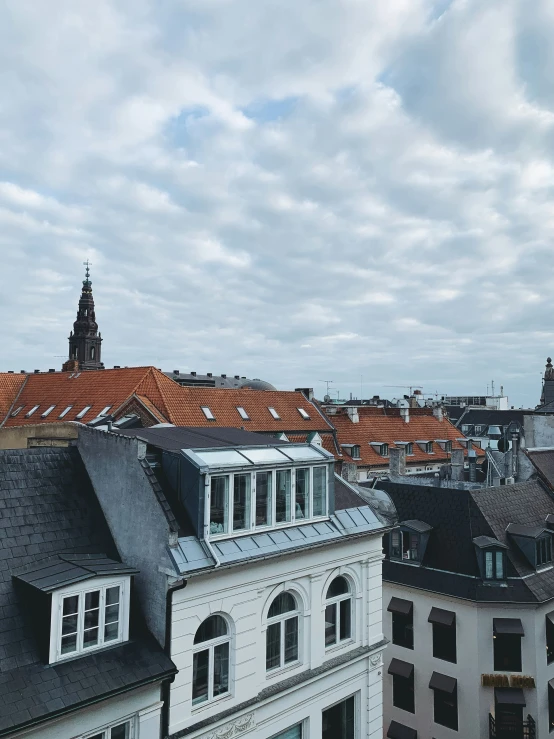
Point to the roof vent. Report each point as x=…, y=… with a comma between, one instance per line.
x=23, y=372
x=209, y=374
x=223, y=375
x=37, y=372
x=237, y=377
x=117, y=366
x=10, y=372
x=175, y=372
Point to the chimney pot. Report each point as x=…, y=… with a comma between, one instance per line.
x=438, y=413
x=175, y=372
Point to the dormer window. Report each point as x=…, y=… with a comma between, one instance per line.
x=353, y=450
x=448, y=446
x=274, y=413
x=207, y=412
x=491, y=558
x=305, y=415
x=384, y=450
x=534, y=542
x=544, y=550
x=494, y=565
x=406, y=445
x=242, y=413
x=409, y=541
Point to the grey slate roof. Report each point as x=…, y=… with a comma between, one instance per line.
x=48, y=508
x=175, y=438
x=54, y=572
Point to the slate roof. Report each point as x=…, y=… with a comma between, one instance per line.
x=48, y=508
x=175, y=438
x=385, y=425
x=489, y=417
x=460, y=516
x=55, y=572
x=543, y=461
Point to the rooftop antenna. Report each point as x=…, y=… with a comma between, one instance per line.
x=492, y=388
x=327, y=382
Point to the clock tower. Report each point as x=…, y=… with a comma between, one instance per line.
x=85, y=342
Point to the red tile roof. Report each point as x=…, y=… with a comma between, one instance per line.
x=385, y=425
x=162, y=398
x=10, y=385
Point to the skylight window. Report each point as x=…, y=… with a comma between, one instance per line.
x=105, y=410
x=85, y=410
x=207, y=412
x=305, y=415
x=30, y=413
x=65, y=412
x=17, y=410
x=274, y=413
x=48, y=411
x=242, y=413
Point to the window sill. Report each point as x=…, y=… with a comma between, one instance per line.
x=208, y=704
x=265, y=529
x=333, y=648
x=277, y=671
x=92, y=650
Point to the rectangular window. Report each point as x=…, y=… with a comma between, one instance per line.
x=105, y=410
x=48, y=411
x=119, y=731
x=429, y=447
x=494, y=565
x=273, y=646
x=200, y=676
x=242, y=413
x=403, y=630
x=221, y=669
x=283, y=496
x=207, y=412
x=549, y=638
x=65, y=411
x=219, y=505
x=550, y=708
x=403, y=694
x=384, y=450
x=444, y=642
x=319, y=491
x=274, y=413
x=339, y=722
x=263, y=498
x=291, y=640
x=304, y=414
x=507, y=652
x=90, y=619
x=85, y=410
x=241, y=502
x=544, y=550
x=295, y=732
x=446, y=708
x=302, y=493
x=30, y=413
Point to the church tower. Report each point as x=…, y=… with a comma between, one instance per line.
x=547, y=395
x=85, y=342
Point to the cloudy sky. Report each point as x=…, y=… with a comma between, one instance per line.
x=297, y=191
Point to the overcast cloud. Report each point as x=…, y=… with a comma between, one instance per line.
x=298, y=191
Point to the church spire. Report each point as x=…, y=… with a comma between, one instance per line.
x=85, y=342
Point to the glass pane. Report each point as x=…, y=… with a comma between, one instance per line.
x=223, y=458
x=90, y=638
x=295, y=732
x=211, y=628
x=302, y=493
x=111, y=631
x=121, y=731
x=330, y=625
x=283, y=496
x=112, y=596
x=263, y=498
x=266, y=455
x=291, y=640
x=273, y=646
x=320, y=491
x=338, y=721
x=221, y=669
x=345, y=619
x=92, y=618
x=219, y=505
x=499, y=566
x=488, y=565
x=69, y=644
x=241, y=502
x=339, y=586
x=283, y=603
x=200, y=663
x=69, y=625
x=299, y=453
x=70, y=605
x=112, y=614
x=92, y=600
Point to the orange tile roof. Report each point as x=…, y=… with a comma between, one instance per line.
x=163, y=398
x=10, y=385
x=385, y=425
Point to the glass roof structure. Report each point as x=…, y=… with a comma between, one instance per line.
x=251, y=456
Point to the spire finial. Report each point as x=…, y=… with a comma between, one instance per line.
x=87, y=264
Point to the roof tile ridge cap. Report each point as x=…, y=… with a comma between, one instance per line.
x=23, y=384
x=162, y=384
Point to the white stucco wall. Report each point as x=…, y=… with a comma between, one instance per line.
x=244, y=595
x=474, y=641
x=142, y=707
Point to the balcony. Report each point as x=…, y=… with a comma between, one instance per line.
x=505, y=727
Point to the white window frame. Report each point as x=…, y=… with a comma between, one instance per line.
x=209, y=646
x=17, y=411
x=131, y=720
x=82, y=413
x=207, y=412
x=280, y=619
x=305, y=415
x=104, y=411
x=273, y=413
x=242, y=413
x=80, y=590
x=65, y=411
x=357, y=710
x=48, y=411
x=30, y=413
x=350, y=595
x=294, y=521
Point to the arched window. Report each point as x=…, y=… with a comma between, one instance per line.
x=338, y=612
x=210, y=660
x=92, y=352
x=75, y=352
x=282, y=632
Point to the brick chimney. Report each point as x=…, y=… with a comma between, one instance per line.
x=397, y=465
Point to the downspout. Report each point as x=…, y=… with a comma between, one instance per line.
x=166, y=685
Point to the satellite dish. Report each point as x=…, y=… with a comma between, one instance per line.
x=326, y=398
x=503, y=445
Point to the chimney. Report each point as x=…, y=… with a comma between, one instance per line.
x=308, y=392
x=515, y=452
x=405, y=414
x=438, y=413
x=51, y=370
x=193, y=373
x=457, y=462
x=175, y=372
x=472, y=459
x=397, y=465
x=353, y=414
x=210, y=374
x=224, y=376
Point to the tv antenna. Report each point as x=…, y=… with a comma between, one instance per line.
x=409, y=387
x=327, y=382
